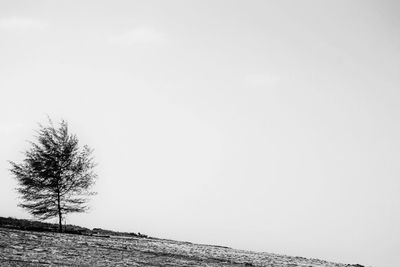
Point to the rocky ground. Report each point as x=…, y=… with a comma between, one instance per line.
x=25, y=248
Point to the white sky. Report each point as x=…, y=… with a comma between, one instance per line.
x=270, y=126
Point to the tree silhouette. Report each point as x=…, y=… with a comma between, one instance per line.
x=56, y=176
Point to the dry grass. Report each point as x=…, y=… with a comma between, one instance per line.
x=27, y=248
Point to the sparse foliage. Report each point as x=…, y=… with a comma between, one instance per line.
x=56, y=176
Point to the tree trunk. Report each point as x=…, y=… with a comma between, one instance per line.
x=59, y=212
x=59, y=222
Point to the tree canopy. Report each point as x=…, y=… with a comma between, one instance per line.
x=56, y=176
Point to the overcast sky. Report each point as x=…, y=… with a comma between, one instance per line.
x=263, y=125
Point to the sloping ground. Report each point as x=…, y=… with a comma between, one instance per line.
x=25, y=248
x=31, y=225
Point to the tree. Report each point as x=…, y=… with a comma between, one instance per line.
x=56, y=176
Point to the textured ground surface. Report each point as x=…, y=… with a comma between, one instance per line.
x=23, y=248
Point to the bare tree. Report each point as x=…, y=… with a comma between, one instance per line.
x=56, y=176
